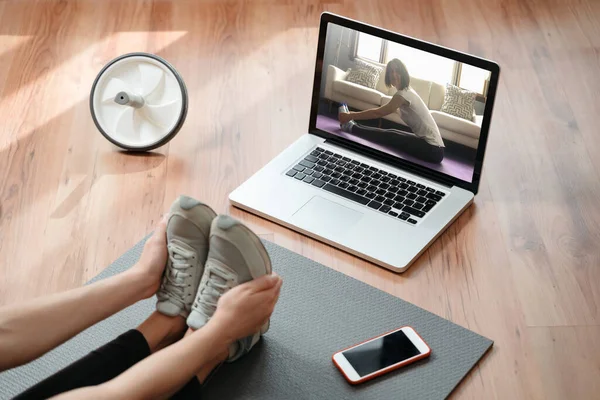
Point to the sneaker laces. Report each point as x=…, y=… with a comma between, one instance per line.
x=175, y=274
x=218, y=282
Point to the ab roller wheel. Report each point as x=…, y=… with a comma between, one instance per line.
x=138, y=101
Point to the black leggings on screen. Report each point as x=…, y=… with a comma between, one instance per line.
x=102, y=365
x=403, y=140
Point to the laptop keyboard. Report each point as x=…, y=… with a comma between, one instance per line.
x=364, y=184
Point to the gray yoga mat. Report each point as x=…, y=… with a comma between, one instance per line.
x=320, y=311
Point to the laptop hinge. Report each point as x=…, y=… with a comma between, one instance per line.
x=389, y=160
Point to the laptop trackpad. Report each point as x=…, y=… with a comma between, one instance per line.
x=325, y=218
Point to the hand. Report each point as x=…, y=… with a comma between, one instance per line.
x=153, y=260
x=245, y=308
x=344, y=118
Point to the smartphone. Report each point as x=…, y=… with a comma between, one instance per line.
x=381, y=354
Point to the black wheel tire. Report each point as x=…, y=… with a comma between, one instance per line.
x=177, y=127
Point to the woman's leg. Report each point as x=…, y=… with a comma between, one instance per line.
x=110, y=360
x=404, y=140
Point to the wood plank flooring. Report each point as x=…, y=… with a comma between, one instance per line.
x=521, y=266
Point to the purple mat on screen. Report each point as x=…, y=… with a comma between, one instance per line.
x=451, y=165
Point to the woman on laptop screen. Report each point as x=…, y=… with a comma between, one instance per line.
x=424, y=142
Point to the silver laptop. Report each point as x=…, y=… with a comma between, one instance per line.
x=394, y=148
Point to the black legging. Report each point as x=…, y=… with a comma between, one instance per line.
x=102, y=365
x=402, y=140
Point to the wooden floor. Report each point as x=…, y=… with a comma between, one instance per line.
x=521, y=266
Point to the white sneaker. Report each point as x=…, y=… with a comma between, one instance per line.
x=188, y=229
x=236, y=255
x=347, y=127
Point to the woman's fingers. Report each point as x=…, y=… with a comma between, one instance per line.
x=264, y=282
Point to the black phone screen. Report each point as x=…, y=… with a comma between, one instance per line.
x=381, y=353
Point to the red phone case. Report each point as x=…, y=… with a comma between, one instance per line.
x=385, y=370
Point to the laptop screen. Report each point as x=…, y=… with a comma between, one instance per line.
x=409, y=103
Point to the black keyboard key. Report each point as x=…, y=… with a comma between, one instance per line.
x=404, y=186
x=408, y=202
x=335, y=182
x=299, y=168
x=339, y=169
x=362, y=184
x=356, y=175
x=394, y=182
x=426, y=208
x=422, y=192
x=404, y=216
x=307, y=164
x=412, y=221
x=370, y=195
x=299, y=176
x=366, y=166
x=328, y=171
x=430, y=189
x=355, y=162
x=318, y=183
x=417, y=206
x=330, y=165
x=380, y=192
x=433, y=197
x=353, y=181
x=377, y=176
x=352, y=188
x=392, y=176
x=398, y=205
x=380, y=199
x=311, y=158
x=388, y=202
x=319, y=168
x=411, y=196
x=329, y=153
x=319, y=150
x=440, y=193
x=359, y=170
x=383, y=172
x=322, y=163
x=414, y=211
x=375, y=182
x=399, y=198
x=291, y=172
x=393, y=213
x=309, y=179
x=337, y=156
x=374, y=169
x=362, y=192
x=401, y=179
x=336, y=175
x=393, y=189
x=326, y=178
x=349, y=167
x=430, y=203
x=386, y=179
x=403, y=192
x=317, y=175
x=367, y=173
x=421, y=199
x=371, y=188
x=343, y=185
x=308, y=172
x=412, y=189
x=420, y=186
x=346, y=159
x=385, y=209
x=374, y=204
x=345, y=178
x=345, y=193
x=341, y=163
x=389, y=195
x=411, y=182
x=384, y=186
